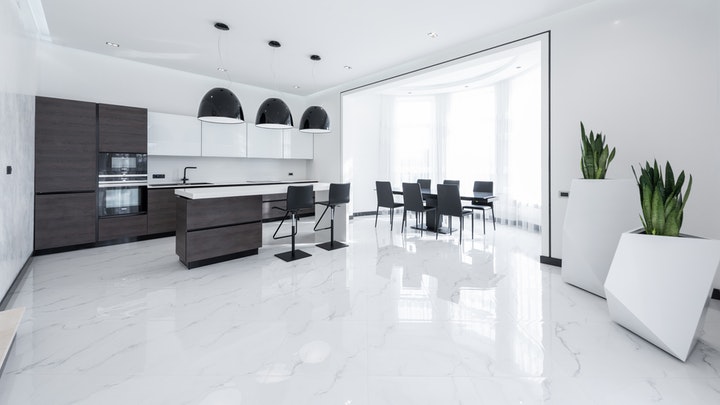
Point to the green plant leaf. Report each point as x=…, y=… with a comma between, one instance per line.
x=669, y=181
x=646, y=202
x=657, y=211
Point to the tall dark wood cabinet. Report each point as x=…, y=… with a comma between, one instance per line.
x=65, y=146
x=122, y=129
x=65, y=172
x=68, y=136
x=64, y=220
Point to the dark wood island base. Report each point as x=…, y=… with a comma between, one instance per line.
x=217, y=229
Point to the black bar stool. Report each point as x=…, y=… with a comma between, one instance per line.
x=298, y=197
x=339, y=194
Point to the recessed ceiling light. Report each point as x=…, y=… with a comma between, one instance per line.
x=296, y=86
x=347, y=67
x=113, y=44
x=222, y=69
x=432, y=34
x=518, y=67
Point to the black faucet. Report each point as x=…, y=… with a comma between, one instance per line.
x=185, y=177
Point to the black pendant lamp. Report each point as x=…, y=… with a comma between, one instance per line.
x=315, y=120
x=274, y=114
x=222, y=106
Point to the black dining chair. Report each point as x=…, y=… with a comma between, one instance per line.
x=413, y=199
x=483, y=205
x=385, y=199
x=425, y=184
x=452, y=182
x=298, y=197
x=448, y=203
x=338, y=194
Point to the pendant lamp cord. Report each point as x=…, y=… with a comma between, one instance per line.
x=277, y=88
x=222, y=63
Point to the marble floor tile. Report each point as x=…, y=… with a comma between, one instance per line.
x=392, y=319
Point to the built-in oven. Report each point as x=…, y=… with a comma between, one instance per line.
x=122, y=184
x=121, y=199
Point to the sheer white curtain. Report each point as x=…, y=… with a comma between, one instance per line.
x=413, y=139
x=490, y=134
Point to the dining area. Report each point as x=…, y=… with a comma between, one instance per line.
x=431, y=204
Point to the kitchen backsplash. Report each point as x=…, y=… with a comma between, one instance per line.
x=224, y=170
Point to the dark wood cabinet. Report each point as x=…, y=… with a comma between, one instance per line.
x=122, y=129
x=161, y=211
x=217, y=229
x=122, y=227
x=64, y=219
x=65, y=145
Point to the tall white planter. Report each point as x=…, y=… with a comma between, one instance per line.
x=659, y=288
x=598, y=212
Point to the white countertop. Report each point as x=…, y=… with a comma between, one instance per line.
x=239, y=191
x=237, y=183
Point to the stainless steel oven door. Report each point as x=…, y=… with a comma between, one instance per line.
x=127, y=199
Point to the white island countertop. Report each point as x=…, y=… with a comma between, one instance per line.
x=195, y=193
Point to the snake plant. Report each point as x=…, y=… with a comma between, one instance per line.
x=596, y=156
x=662, y=200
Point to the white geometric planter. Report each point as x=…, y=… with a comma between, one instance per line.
x=659, y=288
x=598, y=212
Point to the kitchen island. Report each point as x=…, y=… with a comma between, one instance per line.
x=216, y=224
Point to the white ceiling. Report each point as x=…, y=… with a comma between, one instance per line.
x=368, y=35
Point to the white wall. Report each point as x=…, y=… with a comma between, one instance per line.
x=17, y=142
x=362, y=154
x=644, y=72
x=78, y=75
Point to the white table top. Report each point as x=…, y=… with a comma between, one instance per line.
x=221, y=192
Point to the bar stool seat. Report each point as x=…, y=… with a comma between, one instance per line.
x=338, y=194
x=298, y=197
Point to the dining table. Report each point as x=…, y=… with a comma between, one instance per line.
x=430, y=196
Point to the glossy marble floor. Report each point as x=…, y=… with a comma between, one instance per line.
x=393, y=319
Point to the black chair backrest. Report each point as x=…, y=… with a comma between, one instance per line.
x=425, y=184
x=299, y=197
x=452, y=182
x=384, y=194
x=483, y=186
x=339, y=193
x=448, y=200
x=412, y=197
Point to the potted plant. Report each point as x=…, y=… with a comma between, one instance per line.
x=598, y=212
x=660, y=280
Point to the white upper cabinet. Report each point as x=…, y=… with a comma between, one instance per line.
x=182, y=135
x=226, y=140
x=264, y=143
x=173, y=135
x=298, y=145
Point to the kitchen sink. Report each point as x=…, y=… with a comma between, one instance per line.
x=181, y=184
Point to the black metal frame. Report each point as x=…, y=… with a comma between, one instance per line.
x=338, y=194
